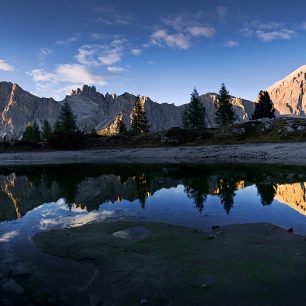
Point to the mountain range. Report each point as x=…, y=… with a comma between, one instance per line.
x=94, y=110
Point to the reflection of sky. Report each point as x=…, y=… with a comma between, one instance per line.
x=48, y=216
x=166, y=205
x=173, y=206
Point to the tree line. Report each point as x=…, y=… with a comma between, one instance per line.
x=193, y=116
x=67, y=124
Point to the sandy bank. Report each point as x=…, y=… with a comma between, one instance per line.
x=275, y=153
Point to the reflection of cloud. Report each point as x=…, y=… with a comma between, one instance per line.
x=8, y=236
x=49, y=216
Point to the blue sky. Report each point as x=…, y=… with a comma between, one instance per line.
x=161, y=49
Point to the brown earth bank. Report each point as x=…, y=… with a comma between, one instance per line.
x=143, y=263
x=270, y=153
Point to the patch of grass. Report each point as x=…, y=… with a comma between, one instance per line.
x=253, y=264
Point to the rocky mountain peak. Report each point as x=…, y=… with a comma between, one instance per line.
x=88, y=91
x=288, y=94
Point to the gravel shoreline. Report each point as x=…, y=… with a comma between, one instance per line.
x=270, y=153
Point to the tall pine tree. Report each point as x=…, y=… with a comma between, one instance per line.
x=67, y=120
x=264, y=108
x=46, y=131
x=225, y=114
x=139, y=122
x=193, y=116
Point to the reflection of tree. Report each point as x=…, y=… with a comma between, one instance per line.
x=143, y=188
x=267, y=192
x=197, y=189
x=227, y=187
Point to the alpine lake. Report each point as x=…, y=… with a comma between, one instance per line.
x=153, y=234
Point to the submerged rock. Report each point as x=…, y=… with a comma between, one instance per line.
x=133, y=233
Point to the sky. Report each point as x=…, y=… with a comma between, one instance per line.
x=161, y=49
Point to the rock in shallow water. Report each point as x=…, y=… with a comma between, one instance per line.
x=133, y=233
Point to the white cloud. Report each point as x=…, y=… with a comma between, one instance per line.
x=119, y=20
x=70, y=73
x=179, y=31
x=69, y=40
x=116, y=69
x=75, y=73
x=247, y=32
x=231, y=43
x=267, y=36
x=268, y=31
x=110, y=58
x=40, y=75
x=202, y=31
x=45, y=51
x=136, y=51
x=179, y=40
x=87, y=55
x=102, y=54
x=97, y=36
x=4, y=66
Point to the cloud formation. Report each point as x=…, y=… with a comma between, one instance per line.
x=231, y=43
x=179, y=40
x=178, y=31
x=70, y=73
x=4, y=66
x=275, y=35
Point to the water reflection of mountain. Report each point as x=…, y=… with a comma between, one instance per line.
x=293, y=195
x=21, y=191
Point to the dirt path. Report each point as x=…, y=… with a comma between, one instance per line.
x=276, y=153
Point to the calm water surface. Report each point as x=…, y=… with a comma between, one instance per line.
x=33, y=199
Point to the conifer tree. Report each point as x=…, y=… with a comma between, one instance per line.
x=28, y=134
x=139, y=122
x=225, y=114
x=67, y=120
x=46, y=132
x=193, y=116
x=264, y=108
x=36, y=133
x=32, y=133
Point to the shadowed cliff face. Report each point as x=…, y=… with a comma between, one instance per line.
x=96, y=111
x=21, y=191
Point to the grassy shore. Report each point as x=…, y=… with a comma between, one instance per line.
x=251, y=264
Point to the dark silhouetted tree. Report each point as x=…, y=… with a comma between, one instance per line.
x=227, y=187
x=225, y=114
x=197, y=188
x=46, y=131
x=266, y=192
x=264, y=107
x=193, y=116
x=143, y=187
x=32, y=133
x=139, y=122
x=67, y=120
x=37, y=133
